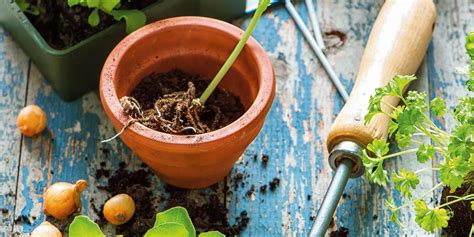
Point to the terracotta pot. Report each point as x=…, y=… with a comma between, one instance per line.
x=196, y=45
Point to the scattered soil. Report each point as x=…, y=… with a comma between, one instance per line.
x=207, y=208
x=265, y=159
x=263, y=188
x=209, y=215
x=137, y=185
x=461, y=221
x=341, y=232
x=63, y=26
x=166, y=102
x=274, y=184
x=334, y=39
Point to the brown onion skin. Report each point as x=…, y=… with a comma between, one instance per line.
x=62, y=199
x=31, y=120
x=119, y=209
x=46, y=229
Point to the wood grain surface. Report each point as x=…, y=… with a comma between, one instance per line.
x=293, y=137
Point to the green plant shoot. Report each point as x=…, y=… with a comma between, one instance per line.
x=409, y=121
x=134, y=19
x=262, y=6
x=83, y=226
x=26, y=7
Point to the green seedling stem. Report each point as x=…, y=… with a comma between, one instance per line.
x=262, y=6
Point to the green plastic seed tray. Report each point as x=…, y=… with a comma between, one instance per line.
x=74, y=71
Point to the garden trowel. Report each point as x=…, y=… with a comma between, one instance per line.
x=396, y=46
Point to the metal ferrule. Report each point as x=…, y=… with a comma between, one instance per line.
x=348, y=150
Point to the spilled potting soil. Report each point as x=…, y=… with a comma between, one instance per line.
x=207, y=207
x=166, y=102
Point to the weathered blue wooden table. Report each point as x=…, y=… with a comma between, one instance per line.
x=293, y=137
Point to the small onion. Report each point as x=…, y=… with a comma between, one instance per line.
x=62, y=199
x=119, y=209
x=46, y=229
x=31, y=120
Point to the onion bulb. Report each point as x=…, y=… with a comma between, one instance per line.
x=31, y=120
x=62, y=199
x=46, y=229
x=119, y=209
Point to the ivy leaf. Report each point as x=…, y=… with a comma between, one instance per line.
x=83, y=226
x=438, y=107
x=212, y=234
x=404, y=181
x=430, y=219
x=425, y=153
x=134, y=19
x=94, y=18
x=176, y=215
x=452, y=171
x=169, y=229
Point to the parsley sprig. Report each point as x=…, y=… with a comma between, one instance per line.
x=410, y=121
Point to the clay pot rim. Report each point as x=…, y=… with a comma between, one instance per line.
x=265, y=92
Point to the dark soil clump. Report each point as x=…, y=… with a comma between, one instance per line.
x=341, y=232
x=166, y=102
x=274, y=184
x=462, y=218
x=63, y=26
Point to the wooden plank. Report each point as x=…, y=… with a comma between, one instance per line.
x=293, y=136
x=13, y=81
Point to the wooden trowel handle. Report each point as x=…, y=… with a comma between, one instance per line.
x=396, y=46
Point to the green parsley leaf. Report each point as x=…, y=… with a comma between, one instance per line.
x=416, y=100
x=408, y=119
x=425, y=153
x=430, y=219
x=404, y=181
x=438, y=107
x=470, y=84
x=378, y=175
x=464, y=111
x=379, y=147
x=462, y=141
x=452, y=172
x=402, y=140
x=390, y=204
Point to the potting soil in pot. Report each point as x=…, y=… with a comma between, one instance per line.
x=166, y=102
x=63, y=26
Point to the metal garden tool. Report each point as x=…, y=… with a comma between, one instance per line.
x=396, y=46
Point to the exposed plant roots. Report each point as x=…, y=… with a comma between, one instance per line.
x=175, y=113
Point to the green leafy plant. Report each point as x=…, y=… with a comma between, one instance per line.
x=134, y=19
x=262, y=6
x=26, y=7
x=408, y=122
x=176, y=222
x=172, y=222
x=83, y=226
